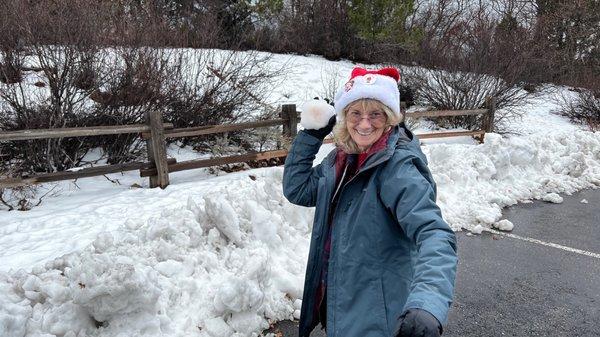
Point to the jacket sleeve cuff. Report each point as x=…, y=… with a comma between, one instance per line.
x=432, y=307
x=305, y=138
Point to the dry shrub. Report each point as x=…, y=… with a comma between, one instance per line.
x=220, y=88
x=24, y=198
x=583, y=108
x=61, y=45
x=446, y=90
x=10, y=68
x=18, y=198
x=190, y=88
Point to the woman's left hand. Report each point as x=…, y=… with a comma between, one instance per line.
x=417, y=323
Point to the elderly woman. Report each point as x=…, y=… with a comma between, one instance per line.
x=382, y=260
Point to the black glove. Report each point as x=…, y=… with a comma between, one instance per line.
x=417, y=323
x=324, y=131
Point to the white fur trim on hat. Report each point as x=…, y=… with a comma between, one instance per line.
x=316, y=114
x=374, y=86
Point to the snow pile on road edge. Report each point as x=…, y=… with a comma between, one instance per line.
x=476, y=181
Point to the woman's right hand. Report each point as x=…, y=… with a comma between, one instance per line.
x=324, y=131
x=317, y=118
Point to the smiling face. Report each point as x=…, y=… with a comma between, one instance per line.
x=366, y=122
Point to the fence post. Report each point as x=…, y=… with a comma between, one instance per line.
x=290, y=126
x=156, y=146
x=489, y=120
x=487, y=123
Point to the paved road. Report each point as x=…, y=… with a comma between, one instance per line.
x=544, y=282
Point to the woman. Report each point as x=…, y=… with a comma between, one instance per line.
x=382, y=260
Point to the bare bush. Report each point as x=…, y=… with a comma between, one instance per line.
x=583, y=108
x=190, y=88
x=10, y=68
x=330, y=82
x=25, y=198
x=218, y=88
x=129, y=82
x=79, y=82
x=54, y=101
x=465, y=91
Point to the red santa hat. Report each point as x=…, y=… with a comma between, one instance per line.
x=381, y=85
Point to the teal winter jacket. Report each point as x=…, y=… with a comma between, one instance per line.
x=390, y=248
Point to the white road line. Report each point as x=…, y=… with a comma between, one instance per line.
x=549, y=244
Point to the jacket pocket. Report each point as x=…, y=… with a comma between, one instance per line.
x=382, y=308
x=395, y=291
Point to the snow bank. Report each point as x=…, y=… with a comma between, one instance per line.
x=476, y=181
x=222, y=263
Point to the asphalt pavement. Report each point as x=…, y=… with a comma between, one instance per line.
x=543, y=279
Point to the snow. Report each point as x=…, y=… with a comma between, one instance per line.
x=225, y=254
x=478, y=229
x=553, y=197
x=219, y=260
x=504, y=225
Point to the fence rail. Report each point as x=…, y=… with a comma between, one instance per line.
x=213, y=129
x=75, y=132
x=76, y=174
x=155, y=132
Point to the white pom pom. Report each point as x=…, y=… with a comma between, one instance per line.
x=316, y=114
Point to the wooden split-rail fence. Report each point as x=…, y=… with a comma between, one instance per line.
x=155, y=133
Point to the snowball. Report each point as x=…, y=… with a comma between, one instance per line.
x=504, y=225
x=553, y=197
x=316, y=114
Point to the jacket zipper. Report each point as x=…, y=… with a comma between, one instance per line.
x=341, y=182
